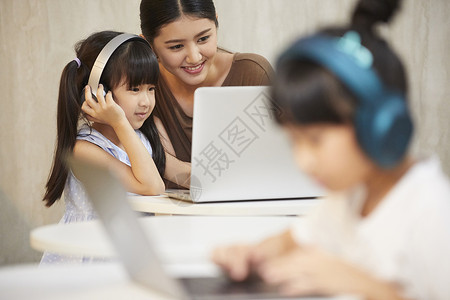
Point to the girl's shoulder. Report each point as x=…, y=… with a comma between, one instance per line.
x=429, y=186
x=87, y=133
x=422, y=192
x=427, y=177
x=93, y=136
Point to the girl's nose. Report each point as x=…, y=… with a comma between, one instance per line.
x=146, y=99
x=304, y=158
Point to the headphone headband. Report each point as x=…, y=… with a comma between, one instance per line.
x=105, y=54
x=345, y=57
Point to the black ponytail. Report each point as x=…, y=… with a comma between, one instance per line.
x=370, y=12
x=386, y=62
x=68, y=114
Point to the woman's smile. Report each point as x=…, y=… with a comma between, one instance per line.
x=194, y=69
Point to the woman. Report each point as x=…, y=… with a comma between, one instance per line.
x=183, y=34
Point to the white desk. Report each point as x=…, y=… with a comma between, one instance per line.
x=78, y=282
x=183, y=243
x=177, y=239
x=166, y=205
x=94, y=281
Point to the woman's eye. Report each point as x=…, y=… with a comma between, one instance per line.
x=152, y=89
x=204, y=38
x=134, y=89
x=176, y=47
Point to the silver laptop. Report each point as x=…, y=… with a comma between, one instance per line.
x=135, y=250
x=239, y=152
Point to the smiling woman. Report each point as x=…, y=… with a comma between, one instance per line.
x=183, y=34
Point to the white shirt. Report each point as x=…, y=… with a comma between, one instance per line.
x=405, y=240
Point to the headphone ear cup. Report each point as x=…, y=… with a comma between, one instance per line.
x=394, y=123
x=384, y=130
x=83, y=97
x=363, y=125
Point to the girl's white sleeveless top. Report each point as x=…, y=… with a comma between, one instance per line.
x=77, y=205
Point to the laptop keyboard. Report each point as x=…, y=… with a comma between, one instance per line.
x=223, y=288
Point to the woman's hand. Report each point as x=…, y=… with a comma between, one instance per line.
x=307, y=271
x=105, y=111
x=240, y=261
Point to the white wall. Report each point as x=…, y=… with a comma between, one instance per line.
x=37, y=38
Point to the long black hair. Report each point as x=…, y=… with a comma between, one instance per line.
x=154, y=14
x=134, y=61
x=308, y=93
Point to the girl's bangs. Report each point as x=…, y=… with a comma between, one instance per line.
x=142, y=66
x=137, y=64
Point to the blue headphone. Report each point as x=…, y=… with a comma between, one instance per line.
x=382, y=121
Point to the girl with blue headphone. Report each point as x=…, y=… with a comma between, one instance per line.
x=384, y=230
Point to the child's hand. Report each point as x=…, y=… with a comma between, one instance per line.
x=235, y=260
x=308, y=271
x=105, y=111
x=240, y=261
